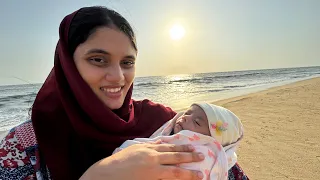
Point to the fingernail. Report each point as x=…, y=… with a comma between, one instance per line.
x=200, y=175
x=201, y=156
x=190, y=147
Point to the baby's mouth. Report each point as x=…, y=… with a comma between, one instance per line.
x=180, y=126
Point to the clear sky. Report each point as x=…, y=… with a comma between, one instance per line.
x=220, y=35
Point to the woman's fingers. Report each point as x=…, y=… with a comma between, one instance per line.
x=179, y=157
x=156, y=142
x=173, y=148
x=173, y=172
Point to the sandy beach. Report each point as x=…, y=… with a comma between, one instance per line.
x=282, y=131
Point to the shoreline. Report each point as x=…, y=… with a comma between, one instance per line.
x=247, y=91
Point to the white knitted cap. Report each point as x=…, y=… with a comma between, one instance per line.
x=224, y=126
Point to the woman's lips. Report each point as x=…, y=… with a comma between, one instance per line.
x=112, y=92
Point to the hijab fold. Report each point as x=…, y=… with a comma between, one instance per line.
x=74, y=129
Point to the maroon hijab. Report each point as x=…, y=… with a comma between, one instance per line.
x=74, y=129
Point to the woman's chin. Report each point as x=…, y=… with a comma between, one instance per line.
x=113, y=104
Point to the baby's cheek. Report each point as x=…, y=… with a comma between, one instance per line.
x=195, y=129
x=207, y=131
x=175, y=129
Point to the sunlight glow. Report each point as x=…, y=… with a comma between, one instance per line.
x=177, y=32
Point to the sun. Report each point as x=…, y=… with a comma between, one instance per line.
x=177, y=32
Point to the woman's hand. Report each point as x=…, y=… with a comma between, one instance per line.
x=146, y=161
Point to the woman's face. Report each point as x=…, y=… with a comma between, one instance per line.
x=106, y=62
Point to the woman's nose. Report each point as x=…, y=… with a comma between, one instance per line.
x=114, y=74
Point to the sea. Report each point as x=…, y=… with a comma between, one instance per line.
x=175, y=91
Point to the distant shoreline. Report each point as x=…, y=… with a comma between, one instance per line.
x=249, y=91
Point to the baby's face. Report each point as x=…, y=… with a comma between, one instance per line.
x=194, y=119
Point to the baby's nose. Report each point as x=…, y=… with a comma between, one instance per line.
x=186, y=118
x=183, y=118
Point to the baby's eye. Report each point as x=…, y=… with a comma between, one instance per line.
x=196, y=121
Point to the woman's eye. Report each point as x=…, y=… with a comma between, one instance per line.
x=128, y=63
x=97, y=60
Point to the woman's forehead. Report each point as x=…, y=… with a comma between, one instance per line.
x=110, y=40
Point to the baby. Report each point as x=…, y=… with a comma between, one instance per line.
x=212, y=130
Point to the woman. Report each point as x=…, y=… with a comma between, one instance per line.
x=84, y=111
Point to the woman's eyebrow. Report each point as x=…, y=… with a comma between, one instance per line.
x=101, y=51
x=130, y=57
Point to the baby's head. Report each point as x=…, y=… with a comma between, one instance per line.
x=194, y=119
x=211, y=120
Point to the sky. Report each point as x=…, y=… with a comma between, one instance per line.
x=220, y=35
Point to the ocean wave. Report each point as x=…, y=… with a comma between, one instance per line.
x=235, y=86
x=210, y=79
x=148, y=84
x=29, y=101
x=185, y=80
x=211, y=90
x=217, y=90
x=15, y=97
x=239, y=75
x=295, y=77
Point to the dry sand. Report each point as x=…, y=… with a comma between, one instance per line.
x=282, y=131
